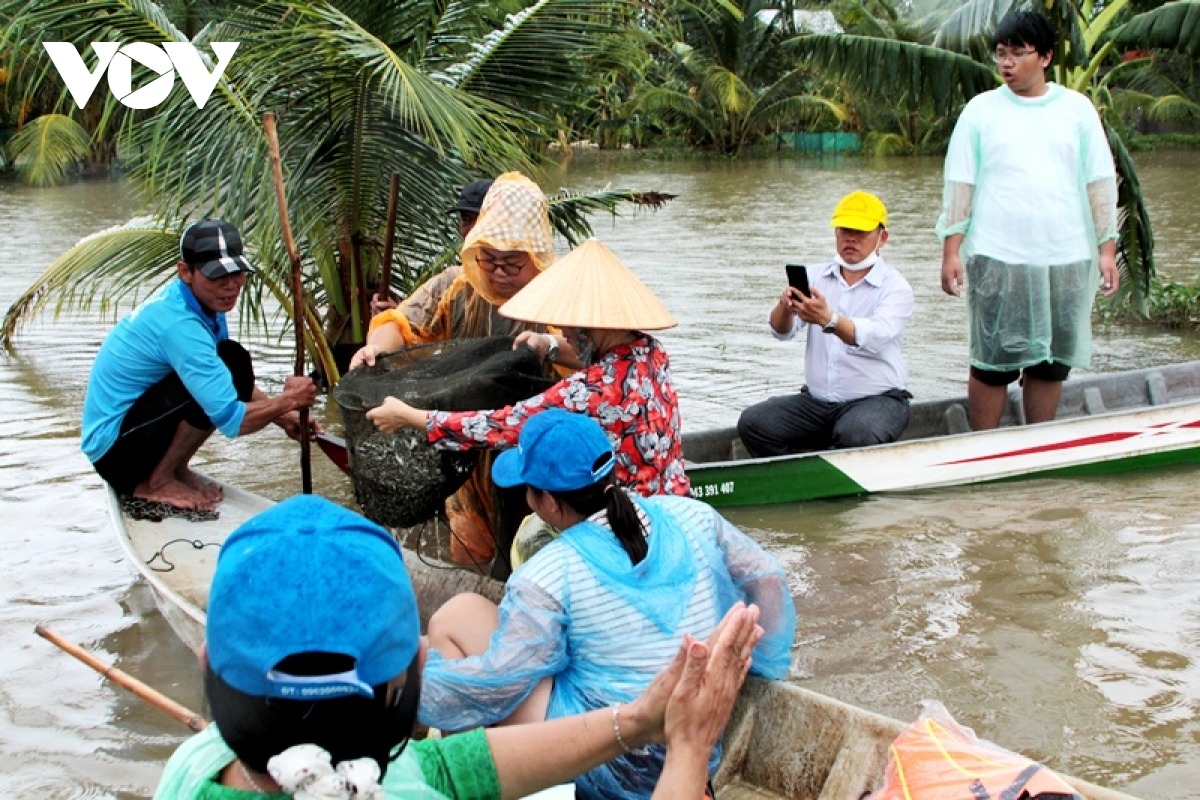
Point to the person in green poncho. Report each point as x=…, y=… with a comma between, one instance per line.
x=1029, y=216
x=313, y=669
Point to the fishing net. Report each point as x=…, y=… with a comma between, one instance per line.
x=399, y=479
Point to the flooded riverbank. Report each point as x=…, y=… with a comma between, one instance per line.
x=1056, y=617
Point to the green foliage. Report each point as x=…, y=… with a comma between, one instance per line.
x=731, y=78
x=46, y=149
x=441, y=92
x=1169, y=303
x=607, y=114
x=1174, y=26
x=909, y=75
x=1141, y=142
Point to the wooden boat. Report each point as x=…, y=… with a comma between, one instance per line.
x=782, y=742
x=1106, y=423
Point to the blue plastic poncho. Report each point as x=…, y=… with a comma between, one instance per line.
x=579, y=612
x=1031, y=185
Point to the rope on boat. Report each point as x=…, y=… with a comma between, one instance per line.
x=168, y=565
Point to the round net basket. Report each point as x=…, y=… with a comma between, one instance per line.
x=399, y=479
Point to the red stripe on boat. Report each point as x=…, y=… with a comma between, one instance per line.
x=1103, y=438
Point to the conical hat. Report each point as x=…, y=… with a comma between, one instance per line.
x=589, y=288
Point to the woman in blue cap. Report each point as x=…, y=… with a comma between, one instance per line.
x=593, y=616
x=313, y=673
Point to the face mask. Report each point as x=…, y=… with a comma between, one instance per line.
x=866, y=263
x=585, y=348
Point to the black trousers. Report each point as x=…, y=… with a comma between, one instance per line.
x=150, y=423
x=797, y=423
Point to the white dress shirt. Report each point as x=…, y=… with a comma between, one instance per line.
x=880, y=305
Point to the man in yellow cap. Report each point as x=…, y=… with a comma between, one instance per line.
x=857, y=308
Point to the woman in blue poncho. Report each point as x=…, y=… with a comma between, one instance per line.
x=591, y=618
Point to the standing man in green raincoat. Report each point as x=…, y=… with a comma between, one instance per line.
x=1029, y=216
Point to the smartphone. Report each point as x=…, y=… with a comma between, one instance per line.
x=797, y=275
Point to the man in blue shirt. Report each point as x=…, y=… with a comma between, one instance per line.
x=168, y=374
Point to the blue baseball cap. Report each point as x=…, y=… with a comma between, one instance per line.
x=556, y=452
x=308, y=576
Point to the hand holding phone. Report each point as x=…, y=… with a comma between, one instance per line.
x=797, y=276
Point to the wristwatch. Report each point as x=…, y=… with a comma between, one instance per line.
x=552, y=350
x=831, y=326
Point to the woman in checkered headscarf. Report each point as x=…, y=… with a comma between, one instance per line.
x=513, y=231
x=507, y=247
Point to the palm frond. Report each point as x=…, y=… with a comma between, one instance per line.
x=99, y=273
x=733, y=97
x=885, y=69
x=796, y=109
x=46, y=149
x=679, y=106
x=1135, y=246
x=861, y=22
x=886, y=144
x=1173, y=108
x=536, y=47
x=569, y=210
x=1174, y=26
x=971, y=24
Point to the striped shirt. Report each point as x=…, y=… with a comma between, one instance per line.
x=603, y=636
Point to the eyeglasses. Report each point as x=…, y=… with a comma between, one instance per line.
x=1000, y=56
x=511, y=264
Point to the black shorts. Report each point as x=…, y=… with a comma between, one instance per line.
x=149, y=425
x=1045, y=371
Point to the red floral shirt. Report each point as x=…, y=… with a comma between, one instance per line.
x=629, y=393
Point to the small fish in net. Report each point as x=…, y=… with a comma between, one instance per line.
x=399, y=479
x=428, y=477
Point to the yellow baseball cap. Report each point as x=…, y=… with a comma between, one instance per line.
x=859, y=211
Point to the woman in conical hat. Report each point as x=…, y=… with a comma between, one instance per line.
x=623, y=380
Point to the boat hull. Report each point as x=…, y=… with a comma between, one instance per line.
x=1107, y=423
x=1096, y=445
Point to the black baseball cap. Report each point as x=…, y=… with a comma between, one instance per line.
x=470, y=199
x=214, y=247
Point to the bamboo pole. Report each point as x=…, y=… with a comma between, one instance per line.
x=385, y=270
x=194, y=721
x=298, y=311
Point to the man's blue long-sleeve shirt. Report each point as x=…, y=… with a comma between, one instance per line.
x=170, y=332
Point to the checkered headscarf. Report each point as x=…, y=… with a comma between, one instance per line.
x=514, y=216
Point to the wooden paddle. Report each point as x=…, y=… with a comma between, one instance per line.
x=385, y=269
x=154, y=697
x=298, y=312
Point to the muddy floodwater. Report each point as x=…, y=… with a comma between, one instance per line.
x=1057, y=617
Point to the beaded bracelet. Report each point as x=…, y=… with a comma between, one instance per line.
x=641, y=751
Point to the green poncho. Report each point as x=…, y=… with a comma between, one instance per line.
x=1030, y=182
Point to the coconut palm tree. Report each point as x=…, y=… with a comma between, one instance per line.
x=731, y=79
x=361, y=90
x=956, y=67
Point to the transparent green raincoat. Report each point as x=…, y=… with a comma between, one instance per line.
x=1030, y=183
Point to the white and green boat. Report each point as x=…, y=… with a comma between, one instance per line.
x=1106, y=423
